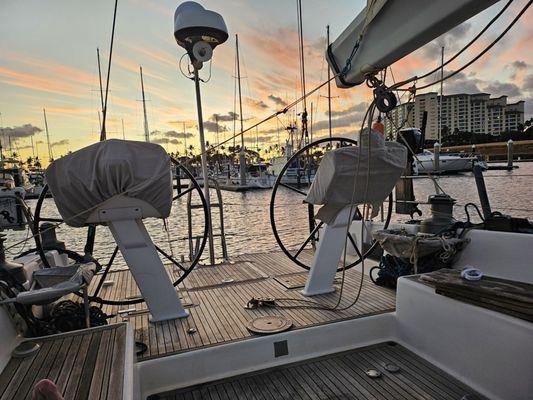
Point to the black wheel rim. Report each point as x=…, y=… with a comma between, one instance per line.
x=278, y=183
x=184, y=272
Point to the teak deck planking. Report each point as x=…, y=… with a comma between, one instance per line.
x=87, y=364
x=216, y=296
x=338, y=376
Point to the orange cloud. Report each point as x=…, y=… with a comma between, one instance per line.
x=38, y=83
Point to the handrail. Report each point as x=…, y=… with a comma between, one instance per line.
x=220, y=206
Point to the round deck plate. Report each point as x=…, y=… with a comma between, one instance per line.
x=269, y=324
x=25, y=349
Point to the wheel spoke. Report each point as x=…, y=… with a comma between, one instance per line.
x=59, y=220
x=106, y=271
x=315, y=230
x=352, y=241
x=183, y=193
x=363, y=221
x=293, y=189
x=171, y=259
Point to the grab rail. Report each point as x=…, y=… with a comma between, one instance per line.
x=193, y=240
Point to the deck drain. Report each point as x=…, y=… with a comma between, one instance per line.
x=391, y=367
x=373, y=373
x=269, y=324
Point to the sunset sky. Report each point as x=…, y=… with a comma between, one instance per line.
x=48, y=59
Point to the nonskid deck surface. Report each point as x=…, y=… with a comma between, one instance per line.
x=339, y=376
x=215, y=298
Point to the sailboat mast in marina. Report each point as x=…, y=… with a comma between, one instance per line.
x=146, y=130
x=50, y=155
x=328, y=290
x=242, y=155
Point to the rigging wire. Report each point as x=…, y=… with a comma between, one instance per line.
x=465, y=47
x=282, y=111
x=336, y=307
x=473, y=60
x=345, y=70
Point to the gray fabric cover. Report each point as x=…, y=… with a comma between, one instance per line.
x=404, y=245
x=85, y=179
x=341, y=168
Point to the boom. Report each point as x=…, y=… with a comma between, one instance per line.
x=387, y=30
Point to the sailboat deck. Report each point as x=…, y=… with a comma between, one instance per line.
x=86, y=364
x=339, y=376
x=216, y=298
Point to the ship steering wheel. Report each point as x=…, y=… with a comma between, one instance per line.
x=183, y=269
x=306, y=160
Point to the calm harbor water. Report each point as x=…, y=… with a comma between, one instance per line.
x=247, y=220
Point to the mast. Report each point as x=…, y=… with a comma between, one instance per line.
x=216, y=122
x=146, y=131
x=50, y=155
x=103, y=135
x=305, y=134
x=184, y=140
x=311, y=119
x=123, y=133
x=242, y=157
x=329, y=86
x=100, y=81
x=441, y=88
x=1, y=139
x=234, y=102
x=32, y=146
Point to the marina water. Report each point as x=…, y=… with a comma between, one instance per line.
x=247, y=219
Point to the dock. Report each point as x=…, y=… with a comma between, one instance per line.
x=216, y=296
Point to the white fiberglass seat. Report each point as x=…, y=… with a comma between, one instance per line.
x=488, y=350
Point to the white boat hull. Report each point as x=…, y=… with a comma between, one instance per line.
x=446, y=164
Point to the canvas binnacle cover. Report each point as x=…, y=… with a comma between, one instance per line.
x=89, y=177
x=372, y=171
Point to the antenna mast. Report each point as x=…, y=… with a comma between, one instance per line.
x=146, y=130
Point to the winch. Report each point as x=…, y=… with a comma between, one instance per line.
x=441, y=214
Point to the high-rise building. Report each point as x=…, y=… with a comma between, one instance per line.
x=402, y=116
x=476, y=113
x=427, y=102
x=514, y=116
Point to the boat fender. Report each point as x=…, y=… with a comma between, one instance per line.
x=471, y=274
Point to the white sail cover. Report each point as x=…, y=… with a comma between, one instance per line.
x=380, y=166
x=87, y=178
